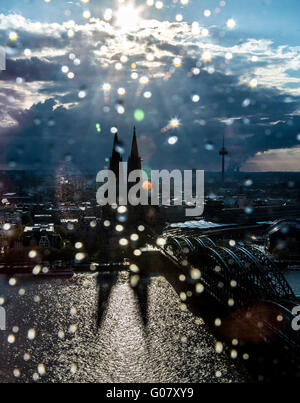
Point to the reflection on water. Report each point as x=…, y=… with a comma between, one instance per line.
x=293, y=278
x=70, y=346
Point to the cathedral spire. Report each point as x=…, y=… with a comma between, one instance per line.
x=115, y=156
x=116, y=139
x=116, y=143
x=134, y=147
x=134, y=160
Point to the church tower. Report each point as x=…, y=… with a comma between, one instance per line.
x=134, y=160
x=115, y=157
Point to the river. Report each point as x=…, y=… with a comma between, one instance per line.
x=53, y=334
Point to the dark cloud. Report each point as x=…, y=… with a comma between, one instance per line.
x=33, y=69
x=57, y=133
x=63, y=127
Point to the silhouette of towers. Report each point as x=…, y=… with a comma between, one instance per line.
x=223, y=152
x=134, y=160
x=115, y=157
x=135, y=213
x=134, y=164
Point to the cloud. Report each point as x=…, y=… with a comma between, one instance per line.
x=285, y=159
x=58, y=112
x=29, y=70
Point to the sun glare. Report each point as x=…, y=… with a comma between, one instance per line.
x=174, y=123
x=127, y=17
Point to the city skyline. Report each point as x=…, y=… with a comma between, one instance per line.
x=150, y=194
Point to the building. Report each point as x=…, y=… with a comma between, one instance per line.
x=42, y=235
x=134, y=160
x=131, y=216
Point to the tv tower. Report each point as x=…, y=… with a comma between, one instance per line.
x=223, y=152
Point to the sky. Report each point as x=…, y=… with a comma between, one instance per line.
x=186, y=73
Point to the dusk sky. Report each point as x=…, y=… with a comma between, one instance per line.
x=184, y=72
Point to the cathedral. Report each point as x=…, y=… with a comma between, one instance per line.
x=134, y=160
x=128, y=218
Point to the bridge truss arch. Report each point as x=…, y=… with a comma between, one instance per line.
x=238, y=273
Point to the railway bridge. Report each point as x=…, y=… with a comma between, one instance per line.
x=238, y=277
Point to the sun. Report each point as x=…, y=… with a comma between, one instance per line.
x=174, y=123
x=127, y=17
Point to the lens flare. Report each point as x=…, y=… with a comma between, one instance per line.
x=127, y=17
x=174, y=123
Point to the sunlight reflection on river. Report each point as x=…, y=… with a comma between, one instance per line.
x=174, y=345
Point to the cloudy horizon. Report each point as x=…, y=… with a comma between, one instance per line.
x=184, y=75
